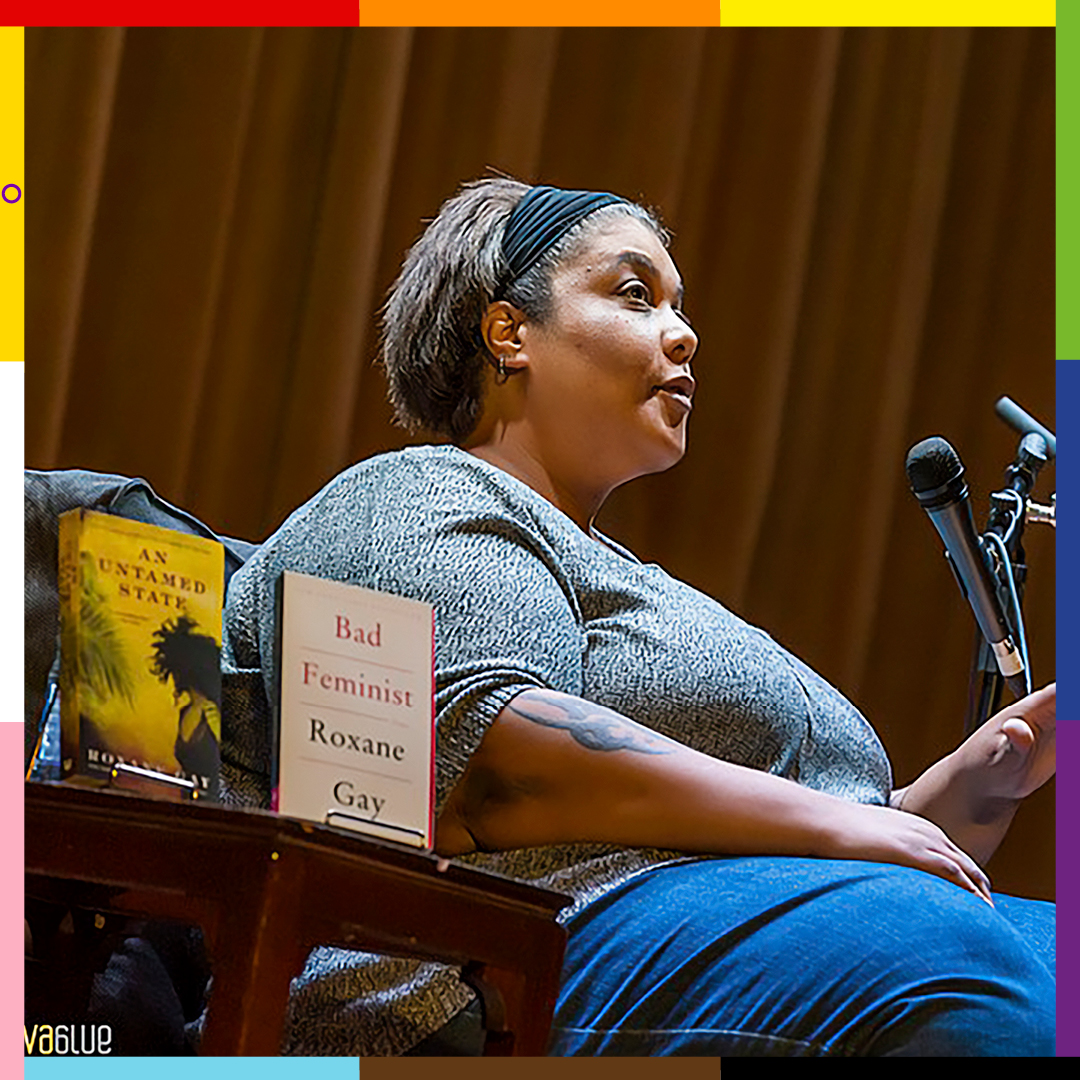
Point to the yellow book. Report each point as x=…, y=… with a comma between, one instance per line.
x=140, y=648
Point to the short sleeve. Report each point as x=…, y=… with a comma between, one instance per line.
x=432, y=529
x=505, y=621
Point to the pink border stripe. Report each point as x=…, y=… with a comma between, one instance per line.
x=11, y=895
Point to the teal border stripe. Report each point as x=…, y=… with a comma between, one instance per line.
x=185, y=1068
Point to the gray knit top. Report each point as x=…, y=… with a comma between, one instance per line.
x=523, y=599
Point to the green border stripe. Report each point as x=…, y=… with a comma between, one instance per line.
x=1068, y=182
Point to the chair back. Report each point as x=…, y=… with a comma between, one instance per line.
x=47, y=496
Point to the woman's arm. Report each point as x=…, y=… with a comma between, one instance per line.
x=974, y=792
x=553, y=769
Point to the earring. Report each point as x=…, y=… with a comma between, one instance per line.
x=500, y=367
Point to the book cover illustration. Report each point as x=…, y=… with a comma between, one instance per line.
x=356, y=709
x=140, y=644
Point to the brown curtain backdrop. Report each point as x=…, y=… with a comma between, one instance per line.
x=864, y=219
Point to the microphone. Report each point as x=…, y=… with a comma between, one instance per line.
x=937, y=480
x=1025, y=423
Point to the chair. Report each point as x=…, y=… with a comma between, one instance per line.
x=47, y=495
x=265, y=889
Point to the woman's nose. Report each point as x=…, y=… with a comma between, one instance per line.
x=680, y=341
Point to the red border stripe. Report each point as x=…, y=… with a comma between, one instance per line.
x=192, y=13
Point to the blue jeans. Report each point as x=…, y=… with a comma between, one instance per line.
x=801, y=957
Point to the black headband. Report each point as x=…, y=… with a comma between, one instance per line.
x=542, y=218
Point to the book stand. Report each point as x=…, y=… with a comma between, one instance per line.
x=267, y=889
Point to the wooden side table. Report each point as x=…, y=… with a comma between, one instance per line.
x=267, y=889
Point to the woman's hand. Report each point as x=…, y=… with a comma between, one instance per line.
x=882, y=834
x=1014, y=752
x=974, y=792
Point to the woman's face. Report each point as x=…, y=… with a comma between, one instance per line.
x=609, y=370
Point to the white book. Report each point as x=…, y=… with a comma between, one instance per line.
x=356, y=730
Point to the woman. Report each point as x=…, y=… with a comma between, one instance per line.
x=606, y=730
x=193, y=662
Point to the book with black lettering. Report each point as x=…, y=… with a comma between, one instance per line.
x=140, y=655
x=355, y=739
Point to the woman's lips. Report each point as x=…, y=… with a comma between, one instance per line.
x=679, y=391
x=678, y=398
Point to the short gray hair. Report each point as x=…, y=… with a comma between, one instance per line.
x=431, y=349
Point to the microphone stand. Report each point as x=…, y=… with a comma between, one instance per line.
x=984, y=695
x=1008, y=516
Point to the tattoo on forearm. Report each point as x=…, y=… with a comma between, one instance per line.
x=593, y=726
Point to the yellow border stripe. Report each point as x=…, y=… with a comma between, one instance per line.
x=13, y=192
x=888, y=13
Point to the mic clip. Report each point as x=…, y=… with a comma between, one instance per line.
x=1011, y=507
x=1046, y=515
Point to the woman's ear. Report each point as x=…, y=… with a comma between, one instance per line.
x=499, y=330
